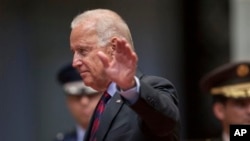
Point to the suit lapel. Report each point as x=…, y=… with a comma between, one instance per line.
x=112, y=109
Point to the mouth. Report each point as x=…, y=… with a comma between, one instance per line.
x=86, y=112
x=246, y=121
x=83, y=73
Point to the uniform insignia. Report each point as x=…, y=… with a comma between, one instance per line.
x=242, y=70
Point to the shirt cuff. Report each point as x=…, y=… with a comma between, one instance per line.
x=132, y=94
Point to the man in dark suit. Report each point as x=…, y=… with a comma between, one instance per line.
x=141, y=108
x=81, y=101
x=229, y=86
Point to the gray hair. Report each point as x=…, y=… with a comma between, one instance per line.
x=107, y=24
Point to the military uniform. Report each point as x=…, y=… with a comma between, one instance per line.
x=73, y=85
x=229, y=81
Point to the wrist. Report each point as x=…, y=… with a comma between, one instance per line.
x=130, y=85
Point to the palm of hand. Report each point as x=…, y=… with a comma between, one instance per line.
x=121, y=69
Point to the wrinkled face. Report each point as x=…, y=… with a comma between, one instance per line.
x=84, y=45
x=82, y=107
x=237, y=111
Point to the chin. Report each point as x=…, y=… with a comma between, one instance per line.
x=88, y=82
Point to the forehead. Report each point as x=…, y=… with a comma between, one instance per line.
x=239, y=100
x=83, y=35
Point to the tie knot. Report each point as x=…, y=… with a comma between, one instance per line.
x=106, y=96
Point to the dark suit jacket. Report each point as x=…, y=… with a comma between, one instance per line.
x=154, y=117
x=69, y=136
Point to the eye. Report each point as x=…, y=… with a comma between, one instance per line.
x=83, y=51
x=241, y=103
x=72, y=51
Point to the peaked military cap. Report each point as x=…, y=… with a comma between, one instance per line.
x=72, y=82
x=231, y=80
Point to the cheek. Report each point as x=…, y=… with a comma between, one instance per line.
x=73, y=107
x=94, y=102
x=96, y=67
x=93, y=61
x=234, y=114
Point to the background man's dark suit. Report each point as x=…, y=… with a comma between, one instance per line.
x=121, y=122
x=208, y=139
x=69, y=136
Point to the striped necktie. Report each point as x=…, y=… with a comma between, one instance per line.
x=97, y=115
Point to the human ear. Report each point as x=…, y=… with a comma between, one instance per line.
x=114, y=41
x=219, y=110
x=113, y=45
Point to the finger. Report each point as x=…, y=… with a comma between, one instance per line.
x=104, y=58
x=122, y=46
x=134, y=57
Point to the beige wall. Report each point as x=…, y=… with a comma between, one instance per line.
x=240, y=35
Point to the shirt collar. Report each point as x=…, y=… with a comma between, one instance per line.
x=225, y=137
x=80, y=133
x=111, y=89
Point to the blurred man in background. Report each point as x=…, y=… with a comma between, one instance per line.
x=81, y=101
x=229, y=86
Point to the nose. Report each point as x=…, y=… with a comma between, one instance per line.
x=84, y=100
x=76, y=61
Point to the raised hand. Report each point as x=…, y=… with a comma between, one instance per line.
x=122, y=67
